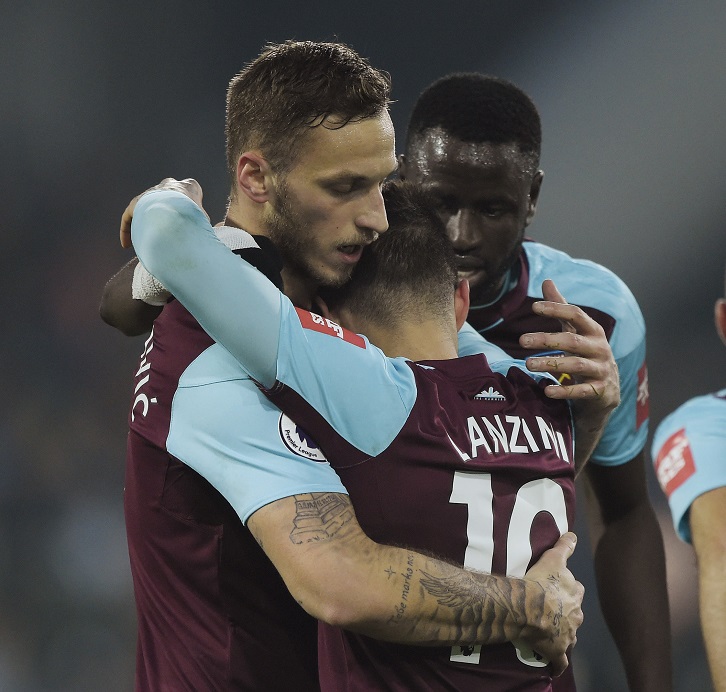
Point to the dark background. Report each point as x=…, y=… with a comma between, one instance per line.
x=100, y=100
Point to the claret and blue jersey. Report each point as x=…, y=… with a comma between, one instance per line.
x=608, y=301
x=464, y=458
x=471, y=463
x=212, y=611
x=689, y=454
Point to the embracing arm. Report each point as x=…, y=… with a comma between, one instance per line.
x=630, y=570
x=120, y=310
x=118, y=307
x=707, y=520
x=342, y=577
x=177, y=245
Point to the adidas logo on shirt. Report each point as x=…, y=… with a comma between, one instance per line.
x=490, y=394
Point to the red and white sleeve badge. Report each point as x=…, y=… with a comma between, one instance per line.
x=316, y=323
x=674, y=464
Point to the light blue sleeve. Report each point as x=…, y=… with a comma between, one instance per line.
x=365, y=396
x=235, y=304
x=626, y=434
x=587, y=283
x=471, y=343
x=225, y=429
x=689, y=455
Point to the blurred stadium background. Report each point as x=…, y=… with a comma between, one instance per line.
x=101, y=100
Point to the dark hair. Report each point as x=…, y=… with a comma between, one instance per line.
x=410, y=270
x=293, y=86
x=478, y=108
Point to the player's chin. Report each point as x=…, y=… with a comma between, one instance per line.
x=483, y=290
x=335, y=275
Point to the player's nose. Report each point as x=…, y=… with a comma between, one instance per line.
x=463, y=230
x=373, y=217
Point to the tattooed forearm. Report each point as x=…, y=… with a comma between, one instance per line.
x=473, y=607
x=341, y=576
x=319, y=516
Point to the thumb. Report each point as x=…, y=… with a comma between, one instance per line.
x=566, y=543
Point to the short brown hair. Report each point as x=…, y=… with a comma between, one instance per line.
x=293, y=86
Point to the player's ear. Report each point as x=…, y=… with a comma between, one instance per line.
x=534, y=189
x=461, y=302
x=401, y=171
x=719, y=314
x=254, y=176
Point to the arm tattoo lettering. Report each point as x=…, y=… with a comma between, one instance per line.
x=319, y=516
x=400, y=609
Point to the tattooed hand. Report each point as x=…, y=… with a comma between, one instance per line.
x=557, y=602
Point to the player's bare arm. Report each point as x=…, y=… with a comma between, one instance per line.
x=342, y=577
x=587, y=358
x=118, y=307
x=629, y=560
x=707, y=519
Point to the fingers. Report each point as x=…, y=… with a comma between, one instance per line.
x=571, y=314
x=125, y=230
x=562, y=609
x=126, y=218
x=583, y=391
x=188, y=186
x=572, y=342
x=551, y=293
x=575, y=369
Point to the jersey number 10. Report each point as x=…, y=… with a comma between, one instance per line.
x=475, y=491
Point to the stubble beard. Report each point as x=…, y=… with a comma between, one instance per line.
x=291, y=235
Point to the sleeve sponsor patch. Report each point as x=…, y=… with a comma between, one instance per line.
x=642, y=404
x=674, y=464
x=316, y=323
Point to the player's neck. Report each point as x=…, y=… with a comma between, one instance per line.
x=298, y=288
x=241, y=214
x=415, y=340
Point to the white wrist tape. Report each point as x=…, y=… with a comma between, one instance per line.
x=235, y=238
x=145, y=287
x=149, y=289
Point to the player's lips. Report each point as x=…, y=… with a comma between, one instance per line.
x=350, y=253
x=469, y=264
x=469, y=267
